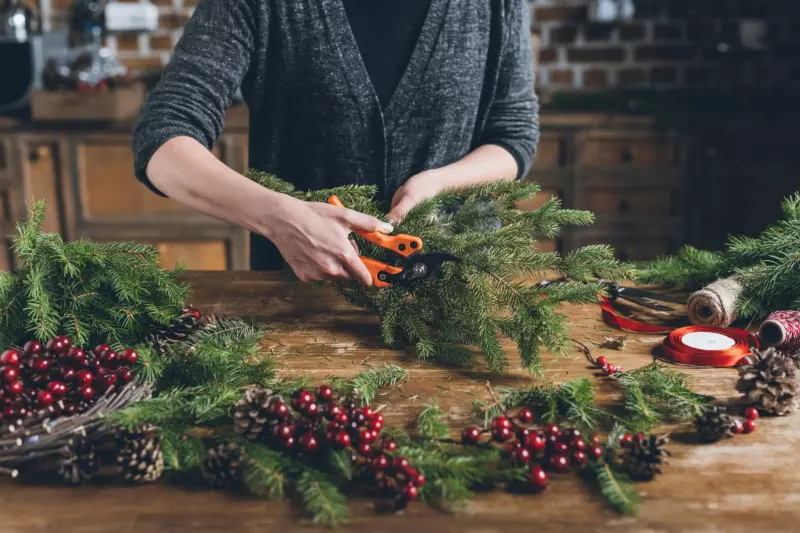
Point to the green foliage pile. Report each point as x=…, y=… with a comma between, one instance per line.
x=768, y=266
x=488, y=293
x=94, y=293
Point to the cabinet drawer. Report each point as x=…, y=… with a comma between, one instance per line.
x=538, y=201
x=630, y=200
x=611, y=149
x=550, y=152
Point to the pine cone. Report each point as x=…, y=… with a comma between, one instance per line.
x=250, y=417
x=713, y=424
x=178, y=331
x=78, y=462
x=222, y=465
x=644, y=457
x=140, y=455
x=768, y=382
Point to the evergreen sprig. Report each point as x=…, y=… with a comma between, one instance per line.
x=94, y=293
x=767, y=266
x=486, y=294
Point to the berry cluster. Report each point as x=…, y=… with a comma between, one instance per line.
x=311, y=423
x=749, y=425
x=59, y=377
x=541, y=449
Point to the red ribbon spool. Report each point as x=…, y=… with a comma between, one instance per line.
x=709, y=346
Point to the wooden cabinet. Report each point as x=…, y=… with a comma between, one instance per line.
x=87, y=181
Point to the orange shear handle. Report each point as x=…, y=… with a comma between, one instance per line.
x=376, y=268
x=403, y=245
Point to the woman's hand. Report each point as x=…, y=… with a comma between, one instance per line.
x=314, y=239
x=416, y=189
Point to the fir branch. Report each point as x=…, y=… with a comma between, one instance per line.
x=430, y=424
x=616, y=488
x=342, y=464
x=264, y=471
x=369, y=382
x=322, y=499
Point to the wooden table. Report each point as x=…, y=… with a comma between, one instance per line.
x=744, y=484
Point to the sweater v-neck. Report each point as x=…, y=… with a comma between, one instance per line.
x=414, y=72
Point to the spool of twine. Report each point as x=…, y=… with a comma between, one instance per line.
x=782, y=328
x=715, y=305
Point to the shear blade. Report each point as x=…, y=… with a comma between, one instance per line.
x=425, y=266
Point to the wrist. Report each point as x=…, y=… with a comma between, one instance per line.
x=282, y=208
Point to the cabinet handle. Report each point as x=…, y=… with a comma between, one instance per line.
x=40, y=152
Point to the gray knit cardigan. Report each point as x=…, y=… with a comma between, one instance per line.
x=315, y=119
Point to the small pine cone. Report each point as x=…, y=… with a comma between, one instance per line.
x=222, y=465
x=644, y=457
x=250, y=417
x=178, y=331
x=140, y=456
x=768, y=382
x=78, y=462
x=713, y=424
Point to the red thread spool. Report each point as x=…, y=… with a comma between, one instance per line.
x=708, y=346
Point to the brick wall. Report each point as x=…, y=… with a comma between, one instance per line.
x=669, y=44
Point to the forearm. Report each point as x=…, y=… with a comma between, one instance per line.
x=484, y=164
x=188, y=173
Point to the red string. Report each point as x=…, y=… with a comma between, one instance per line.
x=626, y=324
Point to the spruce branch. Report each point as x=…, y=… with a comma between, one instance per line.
x=369, y=382
x=430, y=424
x=617, y=488
x=322, y=499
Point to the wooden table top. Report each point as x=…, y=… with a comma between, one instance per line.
x=747, y=483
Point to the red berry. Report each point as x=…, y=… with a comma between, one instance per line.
x=333, y=412
x=79, y=357
x=626, y=440
x=560, y=447
x=376, y=425
x=596, y=452
x=579, y=457
x=106, y=380
x=32, y=347
x=44, y=398
x=15, y=387
x=283, y=430
x=84, y=377
x=737, y=428
x=130, y=356
x=609, y=370
x=749, y=426
x=110, y=359
x=309, y=442
x=501, y=422
x=751, y=413
x=342, y=439
x=9, y=412
x=304, y=396
x=324, y=393
x=401, y=463
x=59, y=345
x=288, y=442
x=523, y=455
x=194, y=313
x=571, y=434
x=311, y=409
x=10, y=374
x=536, y=442
x=86, y=392
x=559, y=462
x=513, y=445
x=552, y=429
x=367, y=436
x=368, y=412
x=538, y=477
x=501, y=434
x=343, y=419
x=602, y=361
x=419, y=480
x=577, y=444
x=101, y=349
x=618, y=369
x=525, y=416
x=389, y=446
x=364, y=448
x=378, y=418
x=470, y=435
x=67, y=373
x=41, y=366
x=10, y=357
x=125, y=374
x=410, y=492
x=57, y=388
x=596, y=440
x=380, y=463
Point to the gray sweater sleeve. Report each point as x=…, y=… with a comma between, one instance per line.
x=513, y=119
x=197, y=86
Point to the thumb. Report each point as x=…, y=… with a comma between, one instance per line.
x=400, y=210
x=362, y=222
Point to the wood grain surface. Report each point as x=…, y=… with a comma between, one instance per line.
x=745, y=484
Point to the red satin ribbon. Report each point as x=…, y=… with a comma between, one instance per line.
x=626, y=324
x=676, y=350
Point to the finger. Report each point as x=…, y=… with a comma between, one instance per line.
x=398, y=195
x=355, y=247
x=362, y=222
x=358, y=270
x=400, y=211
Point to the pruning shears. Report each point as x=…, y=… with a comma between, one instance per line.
x=411, y=265
x=642, y=297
